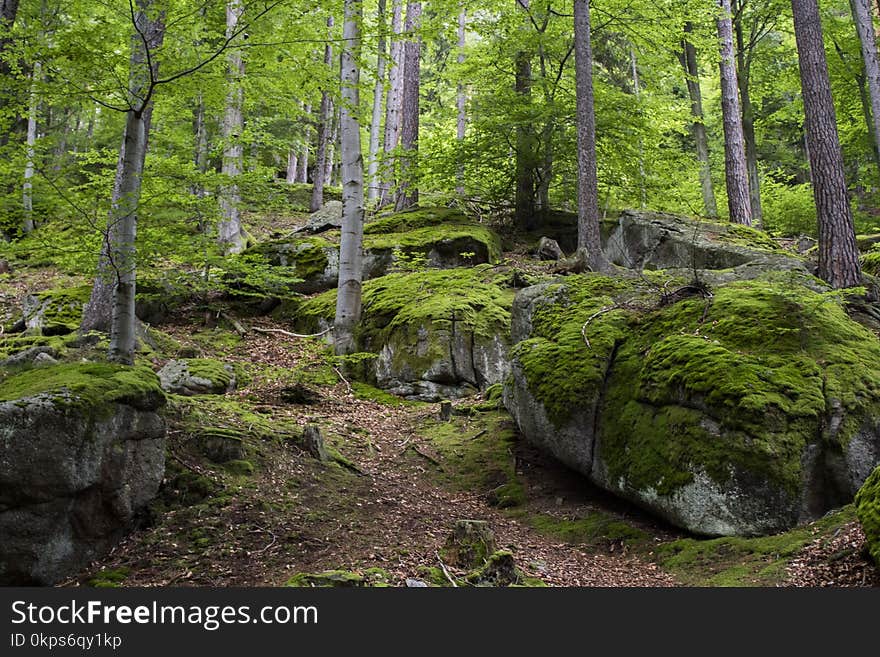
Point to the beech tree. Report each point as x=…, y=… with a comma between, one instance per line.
x=838, y=254
x=325, y=116
x=374, y=184
x=348, y=294
x=229, y=229
x=408, y=192
x=863, y=18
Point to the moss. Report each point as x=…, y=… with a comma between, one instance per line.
x=372, y=577
x=867, y=506
x=871, y=263
x=214, y=371
x=758, y=363
x=369, y=393
x=402, y=222
x=96, y=386
x=445, y=238
x=109, y=578
x=475, y=298
x=478, y=456
x=239, y=468
x=747, y=236
x=737, y=561
x=63, y=308
x=593, y=529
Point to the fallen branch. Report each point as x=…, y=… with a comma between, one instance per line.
x=344, y=380
x=428, y=457
x=602, y=311
x=238, y=326
x=292, y=335
x=445, y=571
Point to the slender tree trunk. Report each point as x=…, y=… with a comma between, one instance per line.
x=324, y=117
x=302, y=174
x=200, y=150
x=348, y=295
x=230, y=233
x=736, y=172
x=743, y=77
x=865, y=100
x=688, y=58
x=376, y=118
x=292, y=165
x=524, y=198
x=393, y=100
x=864, y=21
x=113, y=289
x=838, y=255
x=331, y=146
x=408, y=192
x=8, y=12
x=589, y=237
x=637, y=92
x=461, y=101
x=27, y=186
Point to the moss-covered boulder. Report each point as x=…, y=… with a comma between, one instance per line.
x=437, y=334
x=53, y=312
x=82, y=451
x=371, y=577
x=197, y=376
x=311, y=262
x=868, y=511
x=743, y=411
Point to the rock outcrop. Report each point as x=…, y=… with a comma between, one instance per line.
x=82, y=451
x=744, y=410
x=868, y=511
x=197, y=376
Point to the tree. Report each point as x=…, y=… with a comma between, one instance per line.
x=838, y=254
x=393, y=97
x=230, y=235
x=324, y=126
x=588, y=187
x=376, y=118
x=408, y=192
x=688, y=58
x=8, y=12
x=736, y=172
x=863, y=19
x=524, y=199
x=461, y=99
x=348, y=294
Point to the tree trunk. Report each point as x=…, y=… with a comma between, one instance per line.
x=292, y=166
x=348, y=295
x=331, y=146
x=8, y=12
x=743, y=78
x=323, y=131
x=408, y=192
x=864, y=21
x=230, y=234
x=100, y=312
x=688, y=58
x=838, y=255
x=736, y=172
x=302, y=174
x=27, y=187
x=461, y=101
x=588, y=187
x=393, y=100
x=637, y=92
x=524, y=200
x=376, y=118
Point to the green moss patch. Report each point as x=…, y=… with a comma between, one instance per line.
x=868, y=510
x=593, y=529
x=109, y=578
x=444, y=237
x=402, y=222
x=89, y=385
x=372, y=577
x=759, y=363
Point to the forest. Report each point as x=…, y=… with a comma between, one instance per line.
x=440, y=294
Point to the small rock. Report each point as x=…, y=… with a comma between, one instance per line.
x=314, y=442
x=499, y=570
x=548, y=249
x=327, y=218
x=29, y=355
x=197, y=377
x=44, y=359
x=469, y=545
x=415, y=583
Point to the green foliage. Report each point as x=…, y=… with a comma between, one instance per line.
x=867, y=505
x=789, y=209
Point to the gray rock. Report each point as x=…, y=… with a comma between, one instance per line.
x=29, y=355
x=72, y=479
x=196, y=376
x=221, y=445
x=548, y=249
x=415, y=583
x=329, y=217
x=44, y=359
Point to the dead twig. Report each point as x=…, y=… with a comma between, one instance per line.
x=292, y=335
x=238, y=326
x=344, y=380
x=599, y=313
x=425, y=456
x=446, y=571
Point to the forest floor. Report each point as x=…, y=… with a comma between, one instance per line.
x=397, y=481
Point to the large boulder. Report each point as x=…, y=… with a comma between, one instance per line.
x=740, y=411
x=52, y=312
x=82, y=451
x=327, y=218
x=436, y=334
x=868, y=512
x=197, y=376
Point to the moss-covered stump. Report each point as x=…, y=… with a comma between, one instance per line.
x=469, y=545
x=438, y=334
x=372, y=577
x=868, y=511
x=197, y=376
x=742, y=413
x=82, y=451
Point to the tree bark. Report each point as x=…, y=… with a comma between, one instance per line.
x=461, y=101
x=376, y=118
x=330, y=160
x=864, y=21
x=408, y=192
x=589, y=237
x=393, y=100
x=838, y=255
x=8, y=12
x=743, y=77
x=302, y=174
x=688, y=58
x=323, y=132
x=524, y=199
x=230, y=234
x=736, y=172
x=110, y=299
x=348, y=295
x=637, y=92
x=27, y=199
x=292, y=165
